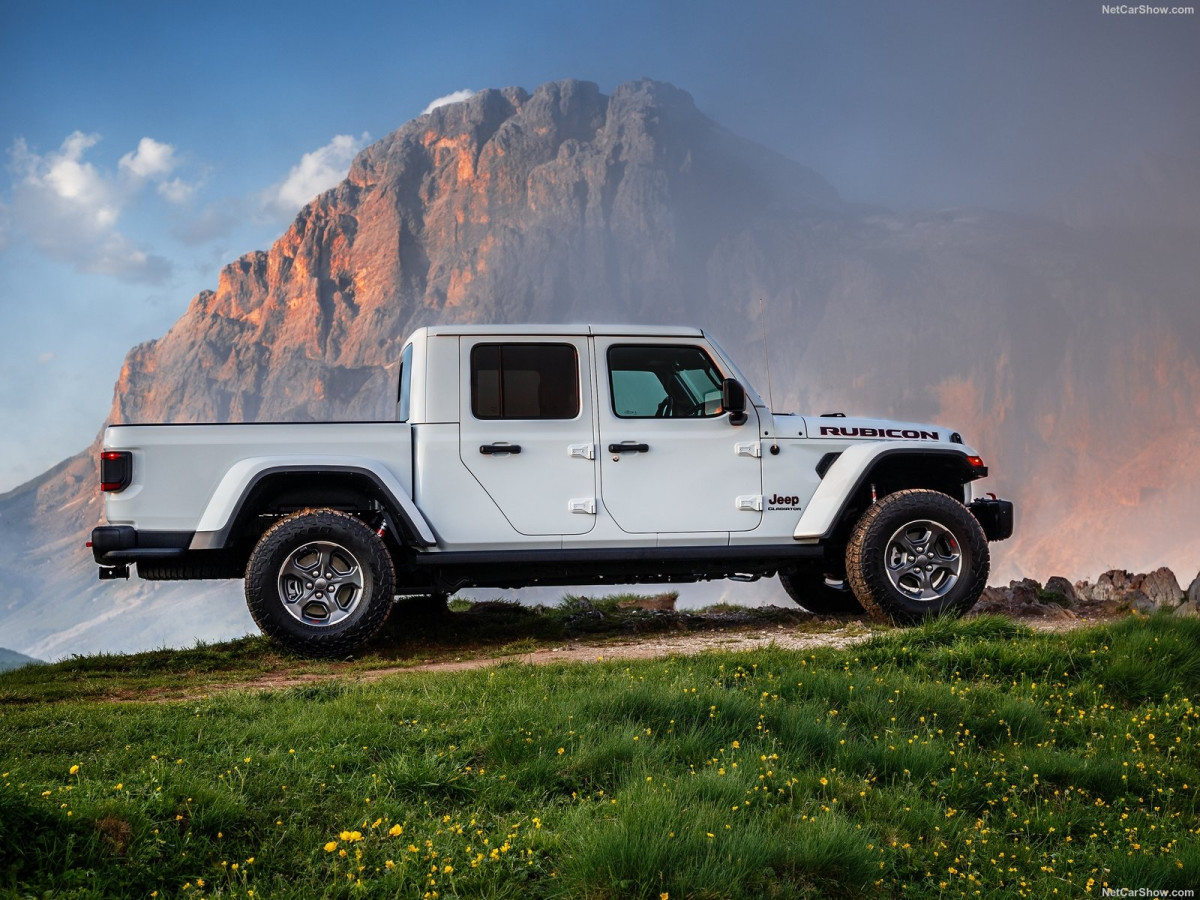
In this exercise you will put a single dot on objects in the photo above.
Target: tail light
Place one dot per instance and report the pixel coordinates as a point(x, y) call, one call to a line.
point(116, 470)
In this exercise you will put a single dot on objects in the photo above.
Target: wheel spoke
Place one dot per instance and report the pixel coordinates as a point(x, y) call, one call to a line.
point(911, 546)
point(293, 569)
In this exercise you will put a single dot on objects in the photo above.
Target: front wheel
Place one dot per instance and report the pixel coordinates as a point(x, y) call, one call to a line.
point(916, 554)
point(320, 582)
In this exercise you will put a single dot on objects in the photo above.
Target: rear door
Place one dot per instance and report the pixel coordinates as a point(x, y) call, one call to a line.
point(670, 459)
point(527, 429)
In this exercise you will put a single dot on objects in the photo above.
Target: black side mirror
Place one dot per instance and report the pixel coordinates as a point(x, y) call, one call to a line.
point(733, 401)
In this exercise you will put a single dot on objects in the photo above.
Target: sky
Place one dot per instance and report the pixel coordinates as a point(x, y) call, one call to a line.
point(147, 144)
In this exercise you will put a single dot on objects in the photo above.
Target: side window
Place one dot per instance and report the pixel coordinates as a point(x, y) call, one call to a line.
point(524, 381)
point(405, 383)
point(666, 381)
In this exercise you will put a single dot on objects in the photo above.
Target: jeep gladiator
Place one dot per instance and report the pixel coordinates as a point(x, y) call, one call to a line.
point(551, 455)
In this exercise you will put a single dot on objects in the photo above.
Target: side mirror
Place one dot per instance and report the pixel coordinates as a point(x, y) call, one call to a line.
point(733, 401)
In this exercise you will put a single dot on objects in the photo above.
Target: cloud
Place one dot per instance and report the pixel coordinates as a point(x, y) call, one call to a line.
point(69, 208)
point(152, 159)
point(456, 97)
point(176, 191)
point(316, 173)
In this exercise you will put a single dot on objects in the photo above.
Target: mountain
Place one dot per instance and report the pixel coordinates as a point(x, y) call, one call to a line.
point(1063, 346)
point(11, 659)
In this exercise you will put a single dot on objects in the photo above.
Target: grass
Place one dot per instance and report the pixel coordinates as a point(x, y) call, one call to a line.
point(416, 632)
point(955, 759)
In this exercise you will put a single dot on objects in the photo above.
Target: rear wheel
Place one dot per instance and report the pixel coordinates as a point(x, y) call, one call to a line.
point(916, 554)
point(821, 594)
point(320, 582)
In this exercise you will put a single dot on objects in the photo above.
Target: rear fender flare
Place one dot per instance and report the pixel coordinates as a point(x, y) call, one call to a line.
point(220, 516)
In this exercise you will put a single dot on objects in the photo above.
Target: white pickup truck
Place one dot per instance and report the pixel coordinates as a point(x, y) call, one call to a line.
point(550, 455)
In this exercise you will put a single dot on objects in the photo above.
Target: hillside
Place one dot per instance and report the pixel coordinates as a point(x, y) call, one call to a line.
point(955, 759)
point(1063, 347)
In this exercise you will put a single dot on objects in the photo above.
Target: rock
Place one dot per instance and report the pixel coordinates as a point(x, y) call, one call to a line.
point(1193, 591)
point(1137, 601)
point(1084, 591)
point(1059, 585)
point(1189, 608)
point(1162, 588)
point(1023, 592)
point(1112, 586)
point(1159, 589)
point(992, 600)
point(1056, 613)
point(663, 602)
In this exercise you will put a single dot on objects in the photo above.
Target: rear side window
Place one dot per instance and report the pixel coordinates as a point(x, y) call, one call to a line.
point(405, 383)
point(524, 381)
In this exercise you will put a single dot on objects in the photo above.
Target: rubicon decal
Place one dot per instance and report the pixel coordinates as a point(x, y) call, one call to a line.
point(908, 434)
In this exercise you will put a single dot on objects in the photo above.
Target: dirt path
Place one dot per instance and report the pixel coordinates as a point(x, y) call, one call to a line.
point(648, 647)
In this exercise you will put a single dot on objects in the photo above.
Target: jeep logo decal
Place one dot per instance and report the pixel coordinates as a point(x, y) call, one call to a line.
point(777, 502)
point(908, 434)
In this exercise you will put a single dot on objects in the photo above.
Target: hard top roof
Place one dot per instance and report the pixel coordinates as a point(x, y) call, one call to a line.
point(573, 330)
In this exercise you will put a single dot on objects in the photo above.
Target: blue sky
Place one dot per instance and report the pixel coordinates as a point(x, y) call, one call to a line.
point(148, 143)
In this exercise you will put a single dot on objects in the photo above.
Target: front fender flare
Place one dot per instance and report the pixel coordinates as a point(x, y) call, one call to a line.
point(850, 472)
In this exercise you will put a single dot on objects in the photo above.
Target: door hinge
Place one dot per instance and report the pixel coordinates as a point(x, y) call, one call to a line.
point(581, 451)
point(748, 448)
point(583, 505)
point(749, 502)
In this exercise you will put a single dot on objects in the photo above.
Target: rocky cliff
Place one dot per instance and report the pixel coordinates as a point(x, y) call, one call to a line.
point(1064, 348)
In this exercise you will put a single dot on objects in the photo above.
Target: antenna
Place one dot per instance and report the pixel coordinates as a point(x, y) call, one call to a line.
point(762, 315)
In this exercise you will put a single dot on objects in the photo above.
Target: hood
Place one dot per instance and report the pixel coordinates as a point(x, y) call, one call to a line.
point(859, 428)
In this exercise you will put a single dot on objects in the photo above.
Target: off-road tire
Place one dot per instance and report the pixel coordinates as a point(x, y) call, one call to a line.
point(323, 528)
point(877, 541)
point(813, 593)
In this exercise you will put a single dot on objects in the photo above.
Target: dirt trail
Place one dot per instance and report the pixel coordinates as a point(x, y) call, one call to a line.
point(647, 647)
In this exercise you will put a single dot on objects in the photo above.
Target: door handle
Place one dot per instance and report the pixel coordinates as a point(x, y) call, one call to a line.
point(628, 447)
point(490, 449)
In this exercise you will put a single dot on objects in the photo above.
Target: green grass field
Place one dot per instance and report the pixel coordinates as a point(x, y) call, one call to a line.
point(973, 759)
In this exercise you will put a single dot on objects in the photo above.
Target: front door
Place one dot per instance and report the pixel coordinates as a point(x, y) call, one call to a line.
point(526, 430)
point(670, 459)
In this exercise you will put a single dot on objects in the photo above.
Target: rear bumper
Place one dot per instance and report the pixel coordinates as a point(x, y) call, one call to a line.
point(995, 517)
point(116, 546)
